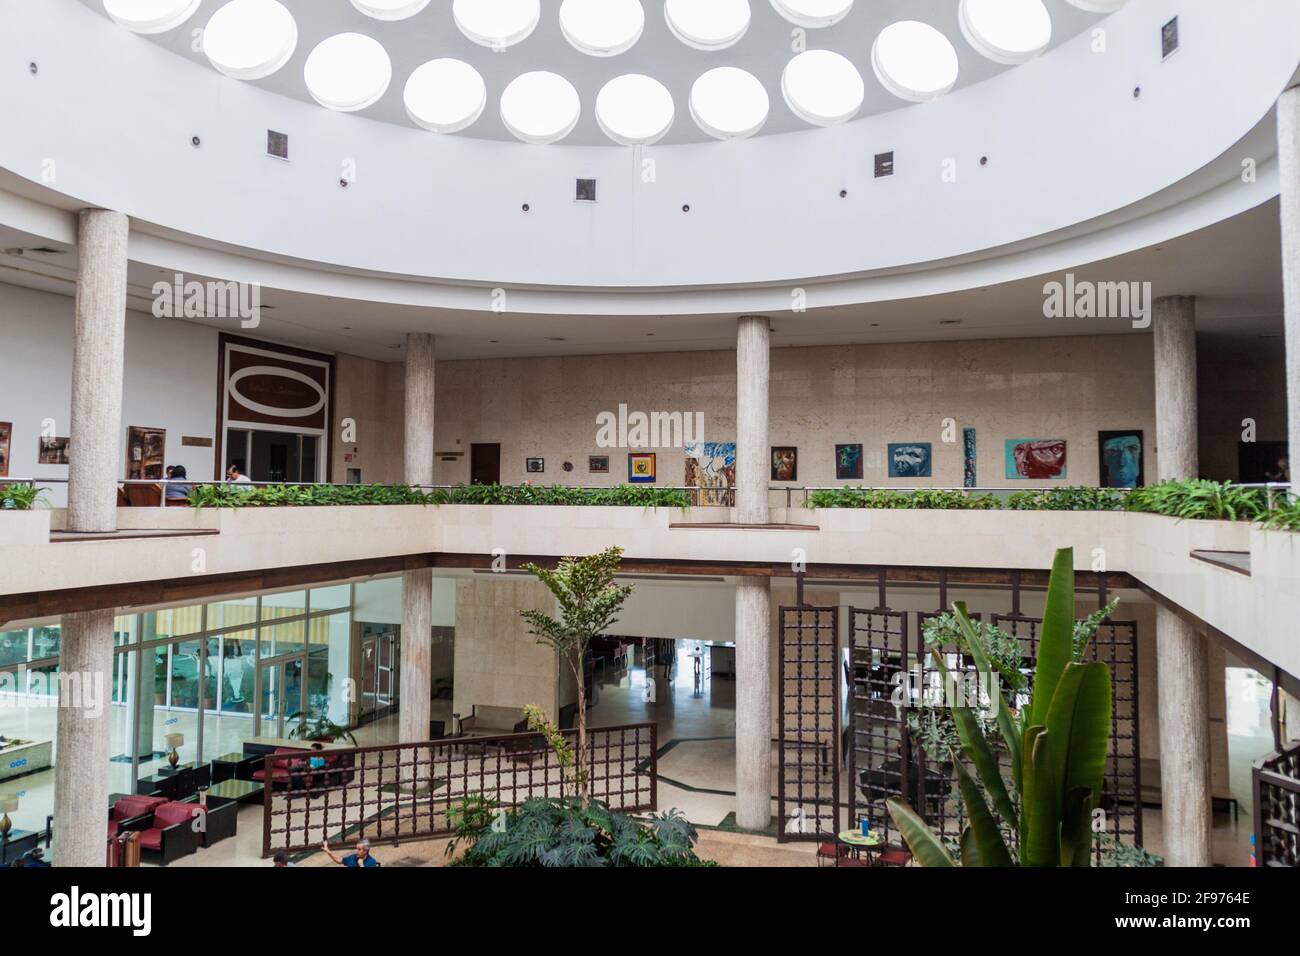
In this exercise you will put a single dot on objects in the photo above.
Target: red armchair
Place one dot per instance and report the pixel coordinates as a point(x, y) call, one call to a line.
point(132, 813)
point(171, 834)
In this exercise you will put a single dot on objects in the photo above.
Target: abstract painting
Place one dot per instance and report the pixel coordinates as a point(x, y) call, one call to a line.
point(911, 460)
point(848, 462)
point(145, 453)
point(785, 463)
point(968, 471)
point(641, 467)
point(598, 464)
point(6, 435)
point(535, 466)
point(711, 465)
point(1120, 454)
point(52, 451)
point(1035, 458)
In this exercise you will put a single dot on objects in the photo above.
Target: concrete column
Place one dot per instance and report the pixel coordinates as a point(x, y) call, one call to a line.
point(98, 354)
point(417, 586)
point(1174, 326)
point(82, 742)
point(753, 703)
point(1184, 741)
point(753, 453)
point(1288, 133)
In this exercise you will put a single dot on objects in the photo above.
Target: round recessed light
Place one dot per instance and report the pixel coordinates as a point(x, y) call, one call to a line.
point(634, 110)
point(1098, 6)
point(729, 103)
point(914, 61)
point(250, 39)
point(390, 9)
point(540, 107)
point(823, 88)
point(348, 72)
point(602, 27)
point(445, 95)
point(813, 13)
point(1006, 31)
point(150, 16)
point(708, 24)
point(496, 24)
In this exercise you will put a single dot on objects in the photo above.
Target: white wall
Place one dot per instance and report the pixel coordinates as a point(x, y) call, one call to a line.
point(169, 381)
point(380, 601)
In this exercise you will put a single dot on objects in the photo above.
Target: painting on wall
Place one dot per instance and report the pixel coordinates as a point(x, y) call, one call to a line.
point(968, 470)
point(535, 466)
point(145, 453)
point(641, 467)
point(6, 435)
point(1120, 459)
point(598, 464)
point(711, 467)
point(911, 459)
point(848, 462)
point(785, 463)
point(1035, 458)
point(52, 451)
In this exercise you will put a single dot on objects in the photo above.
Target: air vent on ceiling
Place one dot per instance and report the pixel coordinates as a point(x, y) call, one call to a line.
point(1169, 38)
point(585, 190)
point(277, 144)
point(884, 164)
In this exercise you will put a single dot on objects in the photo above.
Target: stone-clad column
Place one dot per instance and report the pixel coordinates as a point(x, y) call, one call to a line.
point(1180, 650)
point(753, 703)
point(1288, 135)
point(416, 685)
point(98, 354)
point(753, 466)
point(82, 748)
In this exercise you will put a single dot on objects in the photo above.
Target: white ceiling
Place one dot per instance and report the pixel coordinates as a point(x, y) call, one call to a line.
point(1234, 266)
point(764, 51)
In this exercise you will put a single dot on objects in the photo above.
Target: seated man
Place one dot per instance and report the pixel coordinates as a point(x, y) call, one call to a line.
point(361, 857)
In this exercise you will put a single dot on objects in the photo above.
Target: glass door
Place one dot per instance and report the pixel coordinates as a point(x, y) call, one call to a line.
point(281, 701)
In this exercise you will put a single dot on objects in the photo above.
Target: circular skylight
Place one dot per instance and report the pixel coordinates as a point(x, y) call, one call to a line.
point(708, 24)
point(813, 13)
point(1099, 6)
point(390, 9)
point(445, 95)
point(823, 88)
point(634, 110)
point(602, 27)
point(150, 16)
point(496, 23)
point(728, 103)
point(348, 72)
point(1006, 31)
point(250, 39)
point(914, 61)
point(540, 107)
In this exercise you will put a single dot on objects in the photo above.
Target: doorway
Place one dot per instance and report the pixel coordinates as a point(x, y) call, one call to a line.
point(281, 698)
point(379, 674)
point(274, 456)
point(485, 464)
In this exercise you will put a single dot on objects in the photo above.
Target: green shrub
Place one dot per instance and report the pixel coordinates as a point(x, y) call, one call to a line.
point(563, 833)
point(1197, 499)
point(1067, 499)
point(271, 496)
point(934, 499)
point(1284, 516)
point(21, 497)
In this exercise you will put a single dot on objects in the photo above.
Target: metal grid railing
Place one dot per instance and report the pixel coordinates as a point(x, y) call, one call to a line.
point(1276, 782)
point(808, 781)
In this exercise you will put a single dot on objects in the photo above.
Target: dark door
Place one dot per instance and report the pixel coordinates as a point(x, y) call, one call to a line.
point(485, 465)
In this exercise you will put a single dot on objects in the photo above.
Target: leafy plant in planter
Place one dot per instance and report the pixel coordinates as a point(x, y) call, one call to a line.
point(568, 833)
point(1200, 500)
point(589, 602)
point(21, 497)
point(1057, 746)
point(317, 727)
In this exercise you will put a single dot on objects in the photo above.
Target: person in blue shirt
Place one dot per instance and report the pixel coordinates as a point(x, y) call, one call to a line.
point(361, 856)
point(178, 489)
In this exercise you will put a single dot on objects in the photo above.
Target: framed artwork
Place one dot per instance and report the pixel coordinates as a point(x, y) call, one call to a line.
point(785, 463)
point(641, 467)
point(911, 459)
point(52, 451)
point(1035, 458)
point(535, 466)
point(1120, 459)
point(6, 436)
point(848, 462)
point(968, 459)
point(145, 453)
point(598, 464)
point(711, 465)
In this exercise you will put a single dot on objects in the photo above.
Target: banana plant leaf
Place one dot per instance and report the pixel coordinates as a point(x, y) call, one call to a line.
point(926, 848)
point(1076, 828)
point(1011, 732)
point(1078, 724)
point(1056, 640)
point(970, 852)
point(1040, 840)
point(988, 838)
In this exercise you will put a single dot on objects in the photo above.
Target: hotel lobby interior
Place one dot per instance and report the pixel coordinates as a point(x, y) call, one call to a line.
point(819, 434)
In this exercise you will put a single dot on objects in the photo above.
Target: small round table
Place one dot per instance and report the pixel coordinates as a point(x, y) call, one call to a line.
point(857, 842)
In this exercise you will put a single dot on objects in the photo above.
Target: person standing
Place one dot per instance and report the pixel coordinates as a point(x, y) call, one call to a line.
point(360, 857)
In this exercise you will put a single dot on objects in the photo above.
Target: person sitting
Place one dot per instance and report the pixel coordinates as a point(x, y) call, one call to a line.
point(177, 489)
point(235, 476)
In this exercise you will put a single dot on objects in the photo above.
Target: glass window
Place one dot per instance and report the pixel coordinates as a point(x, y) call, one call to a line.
point(281, 639)
point(232, 613)
point(331, 598)
point(45, 642)
point(238, 671)
point(13, 647)
point(287, 604)
point(171, 622)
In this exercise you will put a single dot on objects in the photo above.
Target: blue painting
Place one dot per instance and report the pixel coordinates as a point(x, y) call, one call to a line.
point(848, 462)
point(711, 466)
point(910, 460)
point(969, 472)
point(1121, 459)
